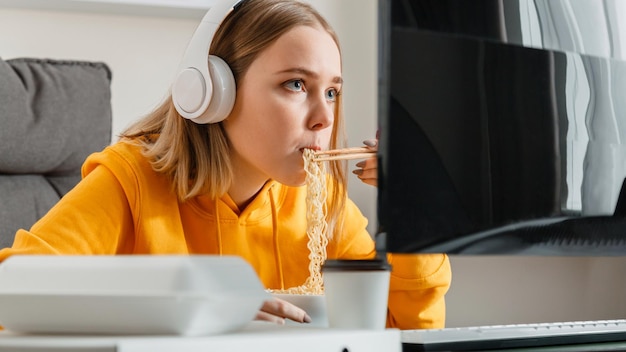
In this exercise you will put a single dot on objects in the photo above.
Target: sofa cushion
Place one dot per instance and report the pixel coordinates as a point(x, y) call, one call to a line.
point(53, 114)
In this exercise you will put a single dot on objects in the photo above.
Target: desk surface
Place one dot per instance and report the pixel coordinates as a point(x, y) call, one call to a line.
point(258, 337)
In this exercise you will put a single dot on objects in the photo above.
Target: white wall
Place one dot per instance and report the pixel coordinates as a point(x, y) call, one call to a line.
point(143, 52)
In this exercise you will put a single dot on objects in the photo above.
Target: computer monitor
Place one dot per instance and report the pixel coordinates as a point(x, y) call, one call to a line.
point(503, 127)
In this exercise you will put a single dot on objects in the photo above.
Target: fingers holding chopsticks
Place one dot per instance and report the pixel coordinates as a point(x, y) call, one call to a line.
point(367, 170)
point(371, 143)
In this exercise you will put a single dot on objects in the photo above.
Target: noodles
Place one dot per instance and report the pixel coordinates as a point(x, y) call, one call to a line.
point(317, 227)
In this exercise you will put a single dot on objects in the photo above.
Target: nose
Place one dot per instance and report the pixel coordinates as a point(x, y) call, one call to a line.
point(322, 113)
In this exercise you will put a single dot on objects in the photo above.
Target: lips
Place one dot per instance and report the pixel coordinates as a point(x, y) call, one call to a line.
point(313, 147)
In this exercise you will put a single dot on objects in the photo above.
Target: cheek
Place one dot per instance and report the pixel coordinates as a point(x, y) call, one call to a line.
point(249, 110)
point(277, 115)
point(259, 101)
point(261, 120)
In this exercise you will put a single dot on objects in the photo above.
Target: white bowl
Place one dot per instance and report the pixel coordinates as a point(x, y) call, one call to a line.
point(314, 305)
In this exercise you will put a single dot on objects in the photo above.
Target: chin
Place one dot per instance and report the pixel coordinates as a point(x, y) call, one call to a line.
point(294, 184)
point(297, 181)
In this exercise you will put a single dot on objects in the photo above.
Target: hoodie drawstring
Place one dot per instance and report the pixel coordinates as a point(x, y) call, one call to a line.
point(219, 228)
point(279, 264)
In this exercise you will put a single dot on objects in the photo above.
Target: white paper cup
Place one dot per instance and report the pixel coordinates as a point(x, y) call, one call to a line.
point(356, 293)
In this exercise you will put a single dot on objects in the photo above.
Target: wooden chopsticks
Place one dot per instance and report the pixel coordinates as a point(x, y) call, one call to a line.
point(345, 154)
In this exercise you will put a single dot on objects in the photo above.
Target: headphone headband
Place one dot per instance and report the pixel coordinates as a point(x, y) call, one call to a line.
point(204, 89)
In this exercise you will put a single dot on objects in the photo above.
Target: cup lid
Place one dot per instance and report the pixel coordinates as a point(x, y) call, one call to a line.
point(355, 264)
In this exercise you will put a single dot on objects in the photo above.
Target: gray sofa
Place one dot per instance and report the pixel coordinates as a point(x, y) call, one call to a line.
point(53, 114)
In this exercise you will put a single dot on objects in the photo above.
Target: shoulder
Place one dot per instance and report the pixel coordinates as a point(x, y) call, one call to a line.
point(127, 162)
point(121, 154)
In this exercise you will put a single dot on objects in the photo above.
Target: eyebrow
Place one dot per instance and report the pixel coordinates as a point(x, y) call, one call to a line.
point(304, 71)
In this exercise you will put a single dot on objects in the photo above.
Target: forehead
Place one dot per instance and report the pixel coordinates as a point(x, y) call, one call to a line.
point(312, 48)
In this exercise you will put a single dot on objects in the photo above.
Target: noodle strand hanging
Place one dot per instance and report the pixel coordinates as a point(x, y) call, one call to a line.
point(317, 227)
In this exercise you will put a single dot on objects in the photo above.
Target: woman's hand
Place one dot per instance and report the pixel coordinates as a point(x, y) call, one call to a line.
point(368, 169)
point(277, 310)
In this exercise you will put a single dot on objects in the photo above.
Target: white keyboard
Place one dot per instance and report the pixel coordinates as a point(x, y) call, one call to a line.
point(515, 335)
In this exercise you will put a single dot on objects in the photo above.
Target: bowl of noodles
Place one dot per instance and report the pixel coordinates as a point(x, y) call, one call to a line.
point(314, 305)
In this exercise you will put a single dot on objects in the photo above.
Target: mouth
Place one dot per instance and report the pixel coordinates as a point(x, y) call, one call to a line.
point(312, 147)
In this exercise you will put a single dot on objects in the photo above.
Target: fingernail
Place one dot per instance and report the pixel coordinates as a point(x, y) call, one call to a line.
point(306, 319)
point(360, 164)
point(370, 142)
point(358, 172)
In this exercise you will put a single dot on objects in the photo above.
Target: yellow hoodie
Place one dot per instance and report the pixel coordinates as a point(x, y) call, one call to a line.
point(122, 206)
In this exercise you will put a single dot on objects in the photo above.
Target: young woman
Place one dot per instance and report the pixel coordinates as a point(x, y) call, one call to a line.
point(172, 186)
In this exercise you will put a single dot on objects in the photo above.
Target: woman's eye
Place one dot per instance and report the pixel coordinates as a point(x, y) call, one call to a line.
point(331, 94)
point(296, 85)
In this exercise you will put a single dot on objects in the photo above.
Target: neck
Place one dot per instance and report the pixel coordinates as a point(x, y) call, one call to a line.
point(246, 184)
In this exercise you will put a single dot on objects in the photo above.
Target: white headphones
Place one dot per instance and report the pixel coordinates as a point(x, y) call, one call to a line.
point(204, 92)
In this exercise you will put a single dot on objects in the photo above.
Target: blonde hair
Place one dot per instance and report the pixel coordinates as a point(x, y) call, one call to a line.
point(196, 156)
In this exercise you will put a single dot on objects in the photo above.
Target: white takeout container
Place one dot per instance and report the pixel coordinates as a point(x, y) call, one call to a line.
point(179, 295)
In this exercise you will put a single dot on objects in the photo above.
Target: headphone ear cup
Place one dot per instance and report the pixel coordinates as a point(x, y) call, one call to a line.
point(205, 93)
point(224, 91)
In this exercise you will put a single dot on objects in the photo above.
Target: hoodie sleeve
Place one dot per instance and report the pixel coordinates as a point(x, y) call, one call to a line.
point(417, 290)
